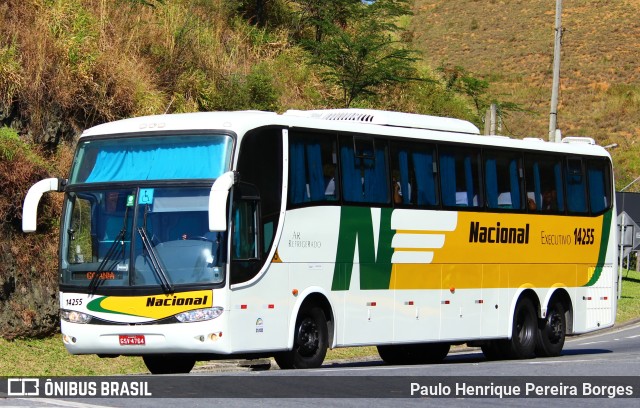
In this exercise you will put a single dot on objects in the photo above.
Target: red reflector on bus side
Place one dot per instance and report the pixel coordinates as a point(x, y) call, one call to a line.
point(445, 302)
point(409, 303)
point(371, 303)
point(271, 306)
point(243, 306)
point(480, 301)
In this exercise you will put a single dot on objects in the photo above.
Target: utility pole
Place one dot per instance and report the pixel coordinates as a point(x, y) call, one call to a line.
point(553, 119)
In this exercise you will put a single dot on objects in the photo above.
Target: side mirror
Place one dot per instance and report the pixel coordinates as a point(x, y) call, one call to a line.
point(30, 206)
point(218, 201)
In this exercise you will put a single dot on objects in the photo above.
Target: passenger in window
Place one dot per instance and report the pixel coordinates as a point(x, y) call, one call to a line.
point(397, 189)
point(550, 200)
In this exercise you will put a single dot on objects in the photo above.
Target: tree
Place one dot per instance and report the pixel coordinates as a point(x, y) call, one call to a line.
point(365, 53)
point(458, 80)
point(318, 14)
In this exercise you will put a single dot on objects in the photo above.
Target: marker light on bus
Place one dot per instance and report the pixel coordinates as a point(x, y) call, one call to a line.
point(74, 317)
point(199, 315)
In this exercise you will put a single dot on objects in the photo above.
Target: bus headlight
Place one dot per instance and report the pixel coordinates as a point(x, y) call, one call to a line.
point(199, 315)
point(72, 316)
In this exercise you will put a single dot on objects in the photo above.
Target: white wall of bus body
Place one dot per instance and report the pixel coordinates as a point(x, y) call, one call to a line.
point(265, 296)
point(259, 312)
point(164, 338)
point(416, 315)
point(462, 317)
point(596, 304)
point(367, 315)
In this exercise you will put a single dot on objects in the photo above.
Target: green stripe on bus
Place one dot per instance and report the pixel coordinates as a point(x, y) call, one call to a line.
point(604, 243)
point(356, 225)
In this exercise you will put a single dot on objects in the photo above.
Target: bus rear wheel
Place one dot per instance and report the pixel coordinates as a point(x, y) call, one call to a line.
point(492, 350)
point(524, 332)
point(310, 341)
point(429, 353)
point(552, 331)
point(169, 363)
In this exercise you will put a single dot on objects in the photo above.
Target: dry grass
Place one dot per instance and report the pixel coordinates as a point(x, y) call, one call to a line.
point(510, 43)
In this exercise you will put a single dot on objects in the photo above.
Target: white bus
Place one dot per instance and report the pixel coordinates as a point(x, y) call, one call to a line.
point(218, 235)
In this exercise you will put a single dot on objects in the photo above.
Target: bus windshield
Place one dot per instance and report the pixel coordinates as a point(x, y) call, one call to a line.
point(152, 236)
point(170, 157)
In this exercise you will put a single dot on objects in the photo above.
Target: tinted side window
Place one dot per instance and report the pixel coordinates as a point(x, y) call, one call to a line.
point(576, 186)
point(312, 168)
point(459, 177)
point(544, 185)
point(363, 162)
point(503, 181)
point(414, 173)
point(599, 185)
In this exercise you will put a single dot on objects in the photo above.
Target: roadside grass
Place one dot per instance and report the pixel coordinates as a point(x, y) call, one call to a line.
point(48, 357)
point(629, 302)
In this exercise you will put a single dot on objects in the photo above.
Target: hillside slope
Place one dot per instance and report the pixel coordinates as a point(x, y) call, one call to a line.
point(510, 44)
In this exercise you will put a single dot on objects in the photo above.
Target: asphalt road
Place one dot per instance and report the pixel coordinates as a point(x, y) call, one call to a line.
point(589, 358)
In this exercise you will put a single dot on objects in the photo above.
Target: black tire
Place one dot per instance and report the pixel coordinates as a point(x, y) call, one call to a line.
point(492, 350)
point(169, 363)
point(310, 341)
point(552, 331)
point(524, 332)
point(407, 354)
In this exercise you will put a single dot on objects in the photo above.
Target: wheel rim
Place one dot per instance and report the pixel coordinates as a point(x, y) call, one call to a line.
point(555, 327)
point(308, 337)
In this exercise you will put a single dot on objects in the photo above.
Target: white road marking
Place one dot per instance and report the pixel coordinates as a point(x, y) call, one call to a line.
point(62, 403)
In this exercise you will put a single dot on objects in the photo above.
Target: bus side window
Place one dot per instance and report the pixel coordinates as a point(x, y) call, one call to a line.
point(363, 163)
point(543, 179)
point(576, 186)
point(414, 175)
point(459, 178)
point(312, 168)
point(599, 185)
point(503, 183)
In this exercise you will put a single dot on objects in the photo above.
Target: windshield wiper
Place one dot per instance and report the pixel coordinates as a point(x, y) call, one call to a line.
point(115, 252)
point(155, 262)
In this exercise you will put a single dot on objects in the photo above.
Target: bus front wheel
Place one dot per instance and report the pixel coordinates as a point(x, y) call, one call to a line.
point(168, 363)
point(310, 341)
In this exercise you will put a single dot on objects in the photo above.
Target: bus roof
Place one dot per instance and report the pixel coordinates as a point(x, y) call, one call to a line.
point(375, 122)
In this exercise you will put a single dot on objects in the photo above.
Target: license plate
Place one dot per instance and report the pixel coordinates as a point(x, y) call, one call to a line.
point(132, 340)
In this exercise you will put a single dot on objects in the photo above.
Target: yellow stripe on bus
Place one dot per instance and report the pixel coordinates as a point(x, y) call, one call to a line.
point(474, 276)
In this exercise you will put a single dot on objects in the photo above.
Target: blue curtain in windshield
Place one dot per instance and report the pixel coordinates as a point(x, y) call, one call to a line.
point(122, 162)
